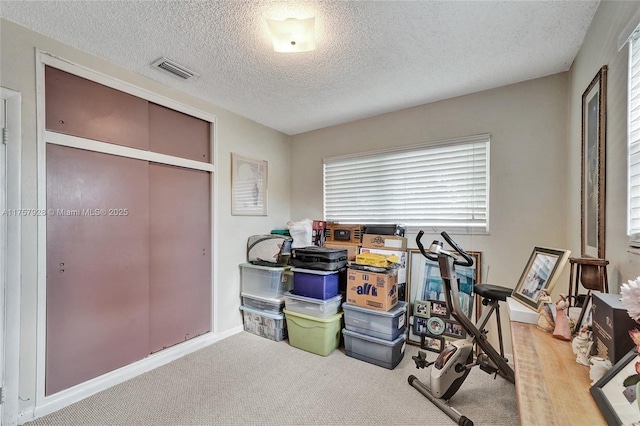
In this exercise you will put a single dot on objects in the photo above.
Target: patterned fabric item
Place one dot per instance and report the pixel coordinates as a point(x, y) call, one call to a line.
point(270, 250)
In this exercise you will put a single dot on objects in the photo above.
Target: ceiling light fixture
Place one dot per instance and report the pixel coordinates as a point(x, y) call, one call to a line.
point(293, 35)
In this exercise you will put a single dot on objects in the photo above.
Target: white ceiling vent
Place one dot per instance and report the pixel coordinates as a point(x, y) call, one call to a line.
point(175, 68)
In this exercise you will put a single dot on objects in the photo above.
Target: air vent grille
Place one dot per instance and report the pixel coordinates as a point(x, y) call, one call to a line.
point(175, 68)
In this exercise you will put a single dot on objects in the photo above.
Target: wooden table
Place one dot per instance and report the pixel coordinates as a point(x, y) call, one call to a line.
point(551, 387)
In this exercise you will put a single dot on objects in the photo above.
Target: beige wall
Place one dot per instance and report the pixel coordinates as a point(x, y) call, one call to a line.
point(528, 199)
point(600, 48)
point(234, 134)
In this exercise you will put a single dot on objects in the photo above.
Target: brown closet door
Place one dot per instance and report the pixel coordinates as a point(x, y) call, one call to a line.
point(174, 133)
point(80, 107)
point(180, 257)
point(97, 265)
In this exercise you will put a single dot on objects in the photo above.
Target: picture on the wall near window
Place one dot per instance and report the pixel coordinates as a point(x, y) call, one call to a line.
point(425, 284)
point(541, 272)
point(615, 392)
point(248, 186)
point(594, 130)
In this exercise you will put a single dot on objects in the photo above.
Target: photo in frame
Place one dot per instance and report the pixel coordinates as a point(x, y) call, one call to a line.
point(439, 309)
point(419, 327)
point(617, 402)
point(541, 272)
point(592, 193)
point(422, 308)
point(249, 179)
point(424, 283)
point(431, 343)
point(454, 329)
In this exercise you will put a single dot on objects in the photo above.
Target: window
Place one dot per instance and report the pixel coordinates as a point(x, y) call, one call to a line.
point(440, 185)
point(633, 185)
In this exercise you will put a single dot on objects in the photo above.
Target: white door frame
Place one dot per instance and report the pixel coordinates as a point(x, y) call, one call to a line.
point(11, 252)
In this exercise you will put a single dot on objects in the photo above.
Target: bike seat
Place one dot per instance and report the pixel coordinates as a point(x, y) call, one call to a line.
point(493, 292)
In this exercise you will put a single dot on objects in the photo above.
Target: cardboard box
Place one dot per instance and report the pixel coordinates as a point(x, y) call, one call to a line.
point(344, 234)
point(388, 242)
point(317, 232)
point(611, 325)
point(402, 270)
point(372, 290)
point(352, 249)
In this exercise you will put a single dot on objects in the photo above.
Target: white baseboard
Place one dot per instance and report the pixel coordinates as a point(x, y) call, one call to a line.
point(76, 393)
point(26, 416)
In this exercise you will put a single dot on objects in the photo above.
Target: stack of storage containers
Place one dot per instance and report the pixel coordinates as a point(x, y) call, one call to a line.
point(263, 289)
point(375, 329)
point(312, 309)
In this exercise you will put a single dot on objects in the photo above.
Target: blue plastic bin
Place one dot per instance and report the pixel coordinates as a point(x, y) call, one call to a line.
point(314, 283)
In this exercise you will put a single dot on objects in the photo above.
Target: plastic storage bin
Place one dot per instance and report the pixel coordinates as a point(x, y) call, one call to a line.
point(317, 335)
point(272, 305)
point(317, 284)
point(384, 353)
point(265, 281)
point(310, 306)
point(382, 325)
point(265, 324)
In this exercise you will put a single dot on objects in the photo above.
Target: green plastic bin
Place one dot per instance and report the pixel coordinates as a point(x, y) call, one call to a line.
point(312, 334)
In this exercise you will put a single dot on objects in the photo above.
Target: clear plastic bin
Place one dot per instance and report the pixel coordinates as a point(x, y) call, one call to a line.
point(265, 324)
point(312, 306)
point(384, 353)
point(272, 305)
point(265, 281)
point(380, 324)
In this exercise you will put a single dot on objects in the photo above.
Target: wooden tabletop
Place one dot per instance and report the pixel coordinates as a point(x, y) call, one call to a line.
point(551, 387)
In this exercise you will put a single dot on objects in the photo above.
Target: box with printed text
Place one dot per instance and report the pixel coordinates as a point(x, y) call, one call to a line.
point(388, 242)
point(373, 290)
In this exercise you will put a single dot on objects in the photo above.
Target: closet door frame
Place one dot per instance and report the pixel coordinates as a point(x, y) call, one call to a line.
point(47, 404)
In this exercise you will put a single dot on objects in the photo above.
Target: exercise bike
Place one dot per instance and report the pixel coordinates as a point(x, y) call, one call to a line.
point(453, 364)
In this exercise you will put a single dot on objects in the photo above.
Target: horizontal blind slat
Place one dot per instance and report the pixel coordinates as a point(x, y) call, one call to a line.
point(426, 186)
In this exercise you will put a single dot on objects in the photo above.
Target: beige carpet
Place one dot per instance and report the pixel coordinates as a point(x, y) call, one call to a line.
point(249, 380)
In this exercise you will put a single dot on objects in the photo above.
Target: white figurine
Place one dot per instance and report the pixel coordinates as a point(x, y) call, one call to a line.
point(581, 345)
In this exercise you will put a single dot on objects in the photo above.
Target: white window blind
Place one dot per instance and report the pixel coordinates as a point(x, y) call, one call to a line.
point(441, 185)
point(634, 140)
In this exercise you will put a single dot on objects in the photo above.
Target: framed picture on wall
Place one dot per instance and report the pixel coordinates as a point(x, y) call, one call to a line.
point(248, 186)
point(592, 200)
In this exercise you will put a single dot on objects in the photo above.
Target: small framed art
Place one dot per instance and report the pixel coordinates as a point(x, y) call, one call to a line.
point(541, 272)
point(615, 395)
point(431, 343)
point(248, 186)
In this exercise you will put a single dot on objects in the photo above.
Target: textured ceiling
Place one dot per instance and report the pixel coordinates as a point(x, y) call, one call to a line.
point(372, 57)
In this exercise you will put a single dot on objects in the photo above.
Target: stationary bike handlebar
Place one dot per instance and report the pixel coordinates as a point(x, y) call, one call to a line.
point(468, 261)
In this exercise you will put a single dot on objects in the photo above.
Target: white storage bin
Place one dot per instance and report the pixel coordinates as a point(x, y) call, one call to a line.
point(311, 306)
point(272, 305)
point(382, 325)
point(265, 281)
point(265, 324)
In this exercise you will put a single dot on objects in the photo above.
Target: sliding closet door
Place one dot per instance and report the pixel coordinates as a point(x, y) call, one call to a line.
point(97, 264)
point(180, 256)
point(80, 107)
